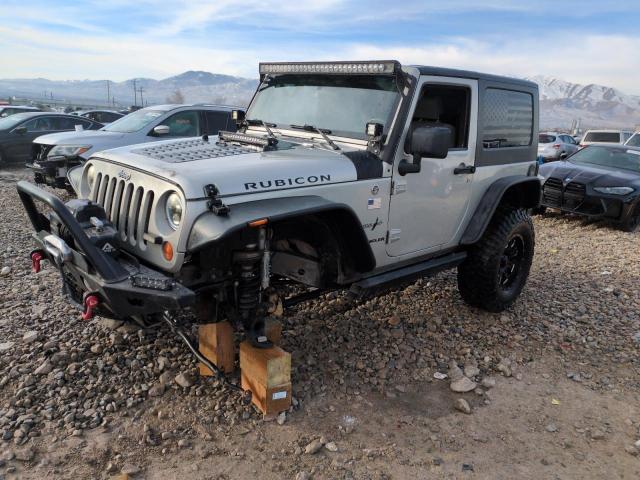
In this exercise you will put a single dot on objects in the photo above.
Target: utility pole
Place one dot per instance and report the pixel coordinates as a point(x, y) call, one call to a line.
point(108, 92)
point(135, 93)
point(141, 100)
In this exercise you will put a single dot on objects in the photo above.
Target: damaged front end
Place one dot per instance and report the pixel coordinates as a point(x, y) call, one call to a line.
point(97, 275)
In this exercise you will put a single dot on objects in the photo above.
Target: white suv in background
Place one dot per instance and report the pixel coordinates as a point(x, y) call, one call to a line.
point(605, 136)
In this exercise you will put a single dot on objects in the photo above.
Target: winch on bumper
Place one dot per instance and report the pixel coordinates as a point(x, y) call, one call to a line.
point(97, 276)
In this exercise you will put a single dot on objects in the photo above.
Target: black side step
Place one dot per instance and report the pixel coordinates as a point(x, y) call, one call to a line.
point(411, 272)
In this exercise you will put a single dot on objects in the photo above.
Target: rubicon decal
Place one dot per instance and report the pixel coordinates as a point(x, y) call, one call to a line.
point(287, 182)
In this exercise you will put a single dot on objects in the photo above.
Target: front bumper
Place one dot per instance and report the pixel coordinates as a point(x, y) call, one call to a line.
point(581, 199)
point(119, 282)
point(52, 171)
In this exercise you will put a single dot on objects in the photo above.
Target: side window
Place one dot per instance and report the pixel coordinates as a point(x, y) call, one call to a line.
point(216, 121)
point(507, 118)
point(40, 124)
point(445, 106)
point(183, 124)
point(109, 117)
point(85, 124)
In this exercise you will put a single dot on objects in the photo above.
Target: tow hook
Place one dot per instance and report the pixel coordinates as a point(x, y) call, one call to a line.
point(90, 302)
point(36, 258)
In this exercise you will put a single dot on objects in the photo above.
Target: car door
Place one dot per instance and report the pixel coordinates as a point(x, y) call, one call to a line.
point(19, 148)
point(186, 123)
point(570, 145)
point(427, 207)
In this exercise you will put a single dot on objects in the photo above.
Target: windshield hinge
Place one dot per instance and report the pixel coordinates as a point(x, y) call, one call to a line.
point(215, 204)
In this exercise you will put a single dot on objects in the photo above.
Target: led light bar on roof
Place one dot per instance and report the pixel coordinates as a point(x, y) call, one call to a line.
point(384, 67)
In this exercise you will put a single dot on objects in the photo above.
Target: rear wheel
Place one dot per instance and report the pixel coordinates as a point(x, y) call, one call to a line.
point(496, 270)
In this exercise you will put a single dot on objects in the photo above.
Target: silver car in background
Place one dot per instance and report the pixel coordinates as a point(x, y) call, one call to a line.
point(556, 146)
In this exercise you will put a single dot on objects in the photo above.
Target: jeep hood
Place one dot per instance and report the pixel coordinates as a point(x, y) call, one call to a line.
point(237, 169)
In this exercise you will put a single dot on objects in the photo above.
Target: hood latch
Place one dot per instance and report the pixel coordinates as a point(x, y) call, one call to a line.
point(215, 204)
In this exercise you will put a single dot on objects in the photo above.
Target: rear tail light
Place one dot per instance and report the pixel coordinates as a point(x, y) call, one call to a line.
point(556, 146)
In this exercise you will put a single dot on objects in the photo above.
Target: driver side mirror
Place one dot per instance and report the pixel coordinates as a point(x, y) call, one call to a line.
point(425, 141)
point(20, 130)
point(160, 130)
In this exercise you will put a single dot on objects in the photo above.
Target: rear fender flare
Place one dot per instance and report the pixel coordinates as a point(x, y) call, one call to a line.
point(517, 190)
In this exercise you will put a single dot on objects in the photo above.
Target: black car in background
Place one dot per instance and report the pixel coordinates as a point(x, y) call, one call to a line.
point(597, 181)
point(105, 117)
point(19, 130)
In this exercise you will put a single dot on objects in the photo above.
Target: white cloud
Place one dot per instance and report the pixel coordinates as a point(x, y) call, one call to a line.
point(190, 35)
point(601, 59)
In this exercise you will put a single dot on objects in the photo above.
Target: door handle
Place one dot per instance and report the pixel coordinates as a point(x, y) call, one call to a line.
point(462, 168)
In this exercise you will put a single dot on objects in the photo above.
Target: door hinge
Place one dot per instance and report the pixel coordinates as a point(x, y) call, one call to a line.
point(399, 186)
point(215, 204)
point(393, 235)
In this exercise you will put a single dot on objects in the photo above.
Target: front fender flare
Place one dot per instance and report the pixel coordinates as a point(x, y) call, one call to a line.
point(209, 228)
point(519, 190)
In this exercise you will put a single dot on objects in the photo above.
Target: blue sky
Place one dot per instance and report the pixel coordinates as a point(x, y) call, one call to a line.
point(580, 41)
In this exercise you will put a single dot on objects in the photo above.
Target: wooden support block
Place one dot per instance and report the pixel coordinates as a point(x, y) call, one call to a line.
point(267, 373)
point(216, 343)
point(273, 330)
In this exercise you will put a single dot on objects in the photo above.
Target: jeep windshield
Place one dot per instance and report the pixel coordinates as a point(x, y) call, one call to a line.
point(133, 122)
point(342, 104)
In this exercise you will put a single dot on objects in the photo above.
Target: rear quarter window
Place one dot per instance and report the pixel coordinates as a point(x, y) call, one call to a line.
point(507, 119)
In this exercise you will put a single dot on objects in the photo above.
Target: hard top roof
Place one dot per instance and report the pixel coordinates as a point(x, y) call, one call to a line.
point(452, 72)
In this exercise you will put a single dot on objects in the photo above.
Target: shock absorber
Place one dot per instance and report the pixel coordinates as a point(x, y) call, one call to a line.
point(248, 292)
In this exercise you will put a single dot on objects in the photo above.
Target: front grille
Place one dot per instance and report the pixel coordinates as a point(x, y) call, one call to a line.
point(573, 195)
point(552, 193)
point(569, 196)
point(128, 207)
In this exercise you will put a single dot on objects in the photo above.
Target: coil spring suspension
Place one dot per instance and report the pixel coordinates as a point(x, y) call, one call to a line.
point(248, 294)
point(249, 280)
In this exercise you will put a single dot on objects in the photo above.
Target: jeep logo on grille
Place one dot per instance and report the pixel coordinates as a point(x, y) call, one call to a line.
point(126, 176)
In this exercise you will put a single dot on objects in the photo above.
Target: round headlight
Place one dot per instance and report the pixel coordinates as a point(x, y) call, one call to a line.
point(174, 210)
point(91, 175)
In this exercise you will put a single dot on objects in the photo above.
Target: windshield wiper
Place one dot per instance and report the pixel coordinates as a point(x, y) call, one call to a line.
point(322, 131)
point(262, 123)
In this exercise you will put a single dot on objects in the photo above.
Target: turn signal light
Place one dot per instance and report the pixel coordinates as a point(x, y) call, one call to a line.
point(167, 251)
point(259, 223)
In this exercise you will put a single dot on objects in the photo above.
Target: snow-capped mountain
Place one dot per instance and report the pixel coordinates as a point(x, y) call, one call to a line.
point(193, 87)
point(561, 102)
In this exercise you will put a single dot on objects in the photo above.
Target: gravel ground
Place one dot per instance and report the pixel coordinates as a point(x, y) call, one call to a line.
point(549, 389)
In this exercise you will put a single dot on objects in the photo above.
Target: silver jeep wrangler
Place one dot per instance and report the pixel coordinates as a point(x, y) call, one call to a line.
point(343, 175)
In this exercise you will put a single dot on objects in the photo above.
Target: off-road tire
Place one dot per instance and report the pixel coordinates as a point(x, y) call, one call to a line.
point(481, 275)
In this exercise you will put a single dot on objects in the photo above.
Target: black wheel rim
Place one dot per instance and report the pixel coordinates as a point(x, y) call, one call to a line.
point(511, 262)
